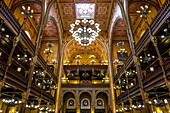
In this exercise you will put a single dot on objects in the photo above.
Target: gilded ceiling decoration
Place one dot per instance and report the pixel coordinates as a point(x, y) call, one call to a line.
point(98, 9)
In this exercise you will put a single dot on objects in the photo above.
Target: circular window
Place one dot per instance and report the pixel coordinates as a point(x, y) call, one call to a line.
point(85, 103)
point(71, 103)
point(99, 103)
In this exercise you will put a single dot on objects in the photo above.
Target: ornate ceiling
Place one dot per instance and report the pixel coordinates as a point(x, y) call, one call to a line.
point(64, 13)
point(101, 14)
point(73, 49)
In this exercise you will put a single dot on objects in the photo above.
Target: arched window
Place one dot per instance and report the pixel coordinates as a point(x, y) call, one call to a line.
point(71, 103)
point(99, 103)
point(28, 34)
point(85, 103)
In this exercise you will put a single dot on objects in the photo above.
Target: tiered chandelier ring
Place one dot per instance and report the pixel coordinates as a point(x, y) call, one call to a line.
point(85, 33)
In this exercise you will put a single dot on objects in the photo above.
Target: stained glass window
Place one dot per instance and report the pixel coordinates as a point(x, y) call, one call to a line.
point(85, 10)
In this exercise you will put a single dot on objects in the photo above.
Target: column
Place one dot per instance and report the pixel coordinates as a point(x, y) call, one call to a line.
point(93, 101)
point(78, 109)
point(147, 102)
point(77, 102)
point(131, 102)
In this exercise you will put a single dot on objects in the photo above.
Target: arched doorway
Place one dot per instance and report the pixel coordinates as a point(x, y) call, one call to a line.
point(85, 103)
point(69, 104)
point(101, 103)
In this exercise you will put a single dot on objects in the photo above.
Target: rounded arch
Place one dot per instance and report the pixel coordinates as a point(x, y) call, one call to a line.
point(73, 106)
point(99, 39)
point(102, 91)
point(147, 1)
point(88, 103)
point(65, 92)
point(102, 103)
point(59, 40)
point(69, 92)
point(23, 2)
point(85, 92)
point(111, 44)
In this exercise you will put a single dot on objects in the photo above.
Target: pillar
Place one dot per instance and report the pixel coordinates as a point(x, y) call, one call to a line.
point(78, 109)
point(77, 101)
point(60, 72)
point(131, 103)
point(154, 41)
point(93, 101)
point(147, 102)
point(92, 109)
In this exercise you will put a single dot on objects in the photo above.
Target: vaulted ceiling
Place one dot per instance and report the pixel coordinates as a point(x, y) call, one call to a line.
point(102, 12)
point(64, 12)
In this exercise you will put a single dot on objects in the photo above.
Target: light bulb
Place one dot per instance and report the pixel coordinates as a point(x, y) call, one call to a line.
point(146, 6)
point(3, 29)
point(142, 7)
point(23, 7)
point(19, 69)
point(29, 8)
point(7, 36)
point(32, 11)
point(138, 11)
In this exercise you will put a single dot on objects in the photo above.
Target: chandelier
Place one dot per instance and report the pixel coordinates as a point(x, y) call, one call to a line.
point(11, 102)
point(85, 33)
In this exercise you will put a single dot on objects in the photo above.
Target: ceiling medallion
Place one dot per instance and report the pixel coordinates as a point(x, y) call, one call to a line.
point(85, 33)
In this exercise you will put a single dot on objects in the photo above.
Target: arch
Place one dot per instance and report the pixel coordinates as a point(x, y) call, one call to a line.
point(65, 93)
point(103, 91)
point(99, 107)
point(71, 39)
point(84, 92)
point(60, 41)
point(71, 107)
point(110, 42)
point(82, 104)
point(23, 2)
point(147, 1)
point(91, 52)
point(69, 92)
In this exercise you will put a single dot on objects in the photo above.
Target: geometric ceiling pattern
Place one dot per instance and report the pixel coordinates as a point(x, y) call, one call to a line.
point(101, 14)
point(74, 48)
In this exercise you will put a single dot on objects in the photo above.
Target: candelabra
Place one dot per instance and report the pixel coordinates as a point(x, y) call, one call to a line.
point(122, 51)
point(131, 72)
point(39, 73)
point(116, 61)
point(11, 102)
point(159, 102)
point(54, 61)
point(166, 30)
point(48, 51)
point(143, 13)
point(25, 58)
point(2, 29)
point(46, 110)
point(137, 106)
point(32, 106)
point(147, 57)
